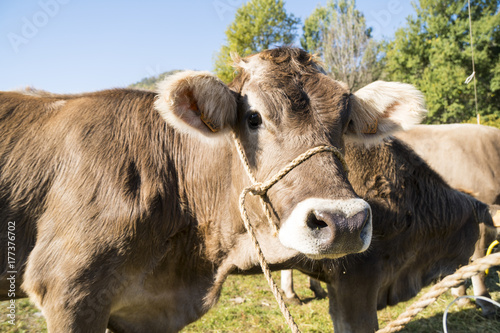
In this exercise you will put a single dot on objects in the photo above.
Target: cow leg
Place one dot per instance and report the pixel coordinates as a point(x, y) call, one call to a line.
point(353, 306)
point(287, 287)
point(74, 290)
point(486, 237)
point(315, 286)
point(68, 308)
point(458, 292)
point(479, 286)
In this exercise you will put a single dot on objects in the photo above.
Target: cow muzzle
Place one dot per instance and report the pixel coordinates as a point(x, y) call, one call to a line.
point(322, 228)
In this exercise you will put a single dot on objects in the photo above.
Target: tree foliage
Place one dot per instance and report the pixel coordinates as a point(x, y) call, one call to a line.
point(337, 32)
point(433, 53)
point(258, 25)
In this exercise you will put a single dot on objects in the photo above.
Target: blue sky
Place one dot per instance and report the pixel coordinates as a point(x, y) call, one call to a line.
point(70, 46)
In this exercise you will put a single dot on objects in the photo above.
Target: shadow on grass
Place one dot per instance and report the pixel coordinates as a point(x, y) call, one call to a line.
point(310, 299)
point(463, 321)
point(467, 319)
point(301, 301)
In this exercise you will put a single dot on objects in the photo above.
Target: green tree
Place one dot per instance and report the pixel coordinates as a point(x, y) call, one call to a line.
point(258, 25)
point(337, 32)
point(433, 53)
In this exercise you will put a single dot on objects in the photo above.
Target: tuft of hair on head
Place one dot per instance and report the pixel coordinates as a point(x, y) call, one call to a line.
point(242, 63)
point(236, 59)
point(283, 58)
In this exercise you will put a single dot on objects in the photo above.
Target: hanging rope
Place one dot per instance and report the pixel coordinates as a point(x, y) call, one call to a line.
point(261, 189)
point(473, 75)
point(263, 263)
point(488, 252)
point(244, 160)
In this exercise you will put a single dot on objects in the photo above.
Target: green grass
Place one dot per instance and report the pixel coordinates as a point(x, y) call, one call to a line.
point(28, 318)
point(259, 312)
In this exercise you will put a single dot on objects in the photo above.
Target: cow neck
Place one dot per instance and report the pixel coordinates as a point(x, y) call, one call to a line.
point(474, 211)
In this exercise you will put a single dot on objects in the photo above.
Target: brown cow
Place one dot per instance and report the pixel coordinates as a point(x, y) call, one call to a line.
point(467, 156)
point(418, 220)
point(125, 202)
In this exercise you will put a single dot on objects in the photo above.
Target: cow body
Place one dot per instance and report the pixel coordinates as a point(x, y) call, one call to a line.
point(418, 221)
point(102, 219)
point(126, 202)
point(468, 158)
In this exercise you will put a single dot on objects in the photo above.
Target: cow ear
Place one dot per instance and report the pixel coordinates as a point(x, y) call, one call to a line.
point(196, 103)
point(382, 108)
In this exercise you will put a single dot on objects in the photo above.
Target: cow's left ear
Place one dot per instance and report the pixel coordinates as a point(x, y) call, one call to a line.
point(382, 108)
point(196, 103)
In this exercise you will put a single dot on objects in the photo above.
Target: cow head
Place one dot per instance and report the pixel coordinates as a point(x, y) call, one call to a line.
point(280, 105)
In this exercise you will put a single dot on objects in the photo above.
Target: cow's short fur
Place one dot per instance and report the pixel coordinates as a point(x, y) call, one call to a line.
point(126, 202)
point(467, 156)
point(423, 229)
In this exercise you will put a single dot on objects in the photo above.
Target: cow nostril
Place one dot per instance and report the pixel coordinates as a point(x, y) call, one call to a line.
point(313, 222)
point(361, 218)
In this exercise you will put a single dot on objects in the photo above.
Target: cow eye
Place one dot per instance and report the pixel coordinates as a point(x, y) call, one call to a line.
point(254, 120)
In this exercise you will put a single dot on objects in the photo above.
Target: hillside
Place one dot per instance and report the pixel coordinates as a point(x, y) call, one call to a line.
point(149, 83)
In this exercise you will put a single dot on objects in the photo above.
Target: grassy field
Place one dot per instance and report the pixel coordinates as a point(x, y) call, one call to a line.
point(247, 305)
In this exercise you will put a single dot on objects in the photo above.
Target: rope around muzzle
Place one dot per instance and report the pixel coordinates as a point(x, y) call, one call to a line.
point(260, 189)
